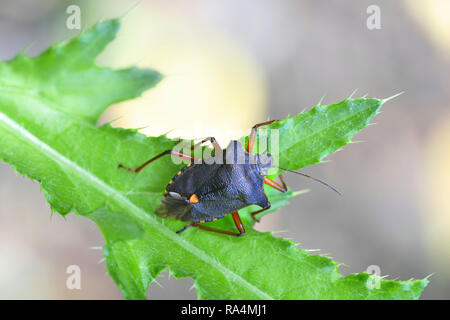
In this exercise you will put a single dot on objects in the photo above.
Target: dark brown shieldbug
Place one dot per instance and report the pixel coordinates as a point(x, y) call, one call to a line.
point(208, 190)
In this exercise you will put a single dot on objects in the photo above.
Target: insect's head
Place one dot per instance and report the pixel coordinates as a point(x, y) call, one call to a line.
point(264, 161)
point(236, 154)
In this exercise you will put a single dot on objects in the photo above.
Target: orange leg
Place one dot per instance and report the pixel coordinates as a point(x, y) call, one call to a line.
point(259, 211)
point(176, 153)
point(275, 185)
point(213, 141)
point(252, 138)
point(237, 222)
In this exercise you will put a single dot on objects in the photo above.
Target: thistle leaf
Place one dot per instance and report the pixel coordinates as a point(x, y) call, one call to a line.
point(48, 109)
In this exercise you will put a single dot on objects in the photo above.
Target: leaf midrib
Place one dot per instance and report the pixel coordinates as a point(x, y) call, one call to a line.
point(115, 195)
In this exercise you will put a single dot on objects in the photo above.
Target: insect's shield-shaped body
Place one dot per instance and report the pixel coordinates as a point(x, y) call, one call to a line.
point(208, 188)
point(216, 186)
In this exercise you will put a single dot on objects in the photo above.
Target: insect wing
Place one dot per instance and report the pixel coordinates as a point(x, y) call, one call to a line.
point(173, 207)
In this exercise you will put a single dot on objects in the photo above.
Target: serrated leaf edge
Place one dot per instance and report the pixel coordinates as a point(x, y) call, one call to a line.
point(141, 215)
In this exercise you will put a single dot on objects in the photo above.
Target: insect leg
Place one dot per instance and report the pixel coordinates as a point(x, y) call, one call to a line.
point(251, 139)
point(237, 222)
point(213, 141)
point(282, 181)
point(175, 153)
point(259, 211)
point(275, 185)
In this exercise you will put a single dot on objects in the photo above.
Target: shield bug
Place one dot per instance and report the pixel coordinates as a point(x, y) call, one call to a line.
point(211, 189)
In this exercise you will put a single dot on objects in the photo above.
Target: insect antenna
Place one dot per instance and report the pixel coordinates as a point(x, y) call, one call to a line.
point(315, 179)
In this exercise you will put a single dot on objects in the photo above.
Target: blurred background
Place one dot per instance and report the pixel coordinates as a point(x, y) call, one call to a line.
point(231, 64)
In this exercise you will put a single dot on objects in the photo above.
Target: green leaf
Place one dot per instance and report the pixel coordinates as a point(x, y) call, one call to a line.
point(309, 137)
point(65, 78)
point(48, 109)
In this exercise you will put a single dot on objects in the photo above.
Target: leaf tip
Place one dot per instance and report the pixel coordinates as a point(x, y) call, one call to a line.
point(130, 10)
point(95, 248)
point(352, 94)
point(23, 52)
point(427, 277)
point(320, 101)
point(299, 192)
point(392, 97)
